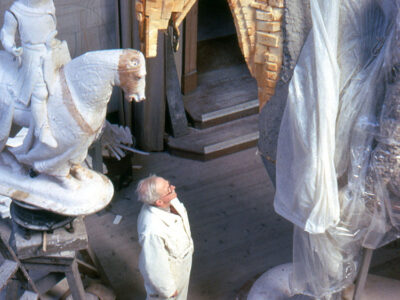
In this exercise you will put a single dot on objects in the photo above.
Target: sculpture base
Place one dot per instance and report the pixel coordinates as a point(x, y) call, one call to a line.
point(70, 196)
point(275, 284)
point(30, 217)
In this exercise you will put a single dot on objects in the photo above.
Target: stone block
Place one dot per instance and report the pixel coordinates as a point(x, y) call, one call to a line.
point(270, 83)
point(272, 75)
point(268, 26)
point(270, 40)
point(272, 67)
point(269, 91)
point(260, 6)
point(271, 58)
point(277, 3)
point(264, 16)
point(259, 55)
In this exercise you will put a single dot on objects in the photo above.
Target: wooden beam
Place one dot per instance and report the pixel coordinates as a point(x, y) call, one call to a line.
point(189, 78)
point(149, 115)
point(177, 114)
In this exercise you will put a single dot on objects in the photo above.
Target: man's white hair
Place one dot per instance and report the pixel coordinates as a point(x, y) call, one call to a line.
point(147, 190)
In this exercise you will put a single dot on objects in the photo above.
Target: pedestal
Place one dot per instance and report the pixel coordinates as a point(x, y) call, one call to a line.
point(53, 253)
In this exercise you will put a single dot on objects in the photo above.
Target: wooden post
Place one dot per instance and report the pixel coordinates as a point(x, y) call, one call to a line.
point(189, 78)
point(149, 115)
point(125, 16)
point(75, 282)
point(176, 109)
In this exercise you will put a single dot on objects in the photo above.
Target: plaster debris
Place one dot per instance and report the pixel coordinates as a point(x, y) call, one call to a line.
point(117, 219)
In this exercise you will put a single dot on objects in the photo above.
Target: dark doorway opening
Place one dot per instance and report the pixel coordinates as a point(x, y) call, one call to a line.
point(223, 106)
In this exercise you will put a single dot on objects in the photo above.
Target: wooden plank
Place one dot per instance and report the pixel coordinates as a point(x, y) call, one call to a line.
point(90, 256)
point(189, 79)
point(7, 270)
point(176, 110)
point(22, 275)
point(224, 115)
point(149, 115)
point(87, 269)
point(218, 140)
point(46, 282)
point(28, 295)
point(60, 260)
point(221, 89)
point(126, 41)
point(59, 240)
point(75, 282)
point(12, 290)
point(201, 138)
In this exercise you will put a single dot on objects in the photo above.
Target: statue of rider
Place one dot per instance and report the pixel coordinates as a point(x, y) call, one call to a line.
point(35, 22)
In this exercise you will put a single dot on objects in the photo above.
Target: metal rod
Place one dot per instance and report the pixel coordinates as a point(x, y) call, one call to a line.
point(362, 275)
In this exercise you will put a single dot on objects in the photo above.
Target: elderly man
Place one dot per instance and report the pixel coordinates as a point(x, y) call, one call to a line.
point(167, 245)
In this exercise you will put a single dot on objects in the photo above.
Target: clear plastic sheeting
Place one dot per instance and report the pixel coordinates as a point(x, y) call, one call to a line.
point(306, 192)
point(338, 164)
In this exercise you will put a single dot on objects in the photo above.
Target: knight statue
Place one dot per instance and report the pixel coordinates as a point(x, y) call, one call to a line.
point(35, 21)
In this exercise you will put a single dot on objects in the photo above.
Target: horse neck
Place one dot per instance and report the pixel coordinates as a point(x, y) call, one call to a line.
point(90, 79)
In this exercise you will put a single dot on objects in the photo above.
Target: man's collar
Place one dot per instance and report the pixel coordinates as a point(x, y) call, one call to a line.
point(167, 209)
point(166, 216)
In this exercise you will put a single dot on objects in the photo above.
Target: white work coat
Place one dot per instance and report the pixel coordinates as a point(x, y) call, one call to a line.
point(167, 247)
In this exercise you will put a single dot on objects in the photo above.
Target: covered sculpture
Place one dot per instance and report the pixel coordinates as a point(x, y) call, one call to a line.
point(337, 162)
point(45, 169)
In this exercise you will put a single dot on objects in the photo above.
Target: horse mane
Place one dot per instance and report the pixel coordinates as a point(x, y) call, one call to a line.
point(90, 78)
point(92, 59)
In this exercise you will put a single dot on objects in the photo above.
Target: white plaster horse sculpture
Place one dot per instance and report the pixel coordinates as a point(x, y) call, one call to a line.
point(77, 108)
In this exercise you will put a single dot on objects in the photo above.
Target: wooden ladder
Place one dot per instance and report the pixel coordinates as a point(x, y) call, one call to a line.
point(12, 269)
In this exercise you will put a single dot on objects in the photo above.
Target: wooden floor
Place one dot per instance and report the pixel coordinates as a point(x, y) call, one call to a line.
point(237, 234)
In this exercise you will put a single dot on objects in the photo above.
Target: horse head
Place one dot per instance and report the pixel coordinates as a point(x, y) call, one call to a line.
point(132, 73)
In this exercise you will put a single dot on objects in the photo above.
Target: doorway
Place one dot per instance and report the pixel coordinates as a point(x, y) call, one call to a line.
point(223, 107)
point(224, 80)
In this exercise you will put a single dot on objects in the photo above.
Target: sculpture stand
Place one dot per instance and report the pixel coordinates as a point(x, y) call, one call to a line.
point(33, 218)
point(55, 253)
point(12, 269)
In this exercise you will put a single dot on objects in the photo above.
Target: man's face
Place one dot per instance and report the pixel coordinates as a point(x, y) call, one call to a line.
point(166, 192)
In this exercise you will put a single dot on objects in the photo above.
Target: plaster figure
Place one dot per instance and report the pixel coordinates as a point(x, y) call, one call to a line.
point(164, 234)
point(63, 104)
point(35, 21)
